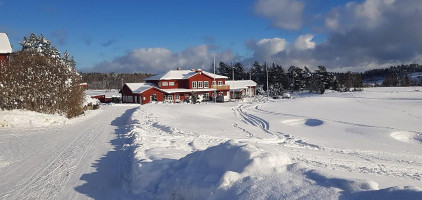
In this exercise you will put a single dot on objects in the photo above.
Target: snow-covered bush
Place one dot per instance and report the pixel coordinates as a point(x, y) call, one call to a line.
point(90, 103)
point(38, 79)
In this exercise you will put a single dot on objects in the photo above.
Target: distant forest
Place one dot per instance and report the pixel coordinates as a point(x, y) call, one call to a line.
point(282, 79)
point(112, 80)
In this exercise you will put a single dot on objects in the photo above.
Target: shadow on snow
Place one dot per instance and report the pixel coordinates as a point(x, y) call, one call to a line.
point(110, 180)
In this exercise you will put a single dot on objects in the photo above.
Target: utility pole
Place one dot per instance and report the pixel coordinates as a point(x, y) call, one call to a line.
point(250, 71)
point(233, 79)
point(215, 85)
point(266, 69)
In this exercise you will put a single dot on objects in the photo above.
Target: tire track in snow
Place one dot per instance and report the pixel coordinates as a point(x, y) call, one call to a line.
point(284, 139)
point(252, 119)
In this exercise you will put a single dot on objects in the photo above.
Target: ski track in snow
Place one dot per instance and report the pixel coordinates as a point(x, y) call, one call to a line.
point(61, 157)
point(370, 162)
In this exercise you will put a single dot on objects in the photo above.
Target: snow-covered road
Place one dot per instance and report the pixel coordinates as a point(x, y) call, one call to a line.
point(79, 160)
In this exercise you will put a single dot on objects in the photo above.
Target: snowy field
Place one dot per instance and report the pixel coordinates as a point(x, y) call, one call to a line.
point(361, 145)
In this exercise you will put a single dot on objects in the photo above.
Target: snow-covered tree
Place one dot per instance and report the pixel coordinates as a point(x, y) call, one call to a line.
point(37, 78)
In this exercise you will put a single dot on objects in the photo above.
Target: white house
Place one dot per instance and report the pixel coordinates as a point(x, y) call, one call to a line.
point(242, 88)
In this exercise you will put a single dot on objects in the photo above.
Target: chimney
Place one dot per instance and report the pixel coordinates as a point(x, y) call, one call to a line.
point(178, 68)
point(199, 70)
point(193, 70)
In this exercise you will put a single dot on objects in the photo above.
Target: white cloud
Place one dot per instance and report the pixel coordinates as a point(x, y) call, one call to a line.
point(266, 49)
point(271, 46)
point(285, 14)
point(304, 42)
point(157, 60)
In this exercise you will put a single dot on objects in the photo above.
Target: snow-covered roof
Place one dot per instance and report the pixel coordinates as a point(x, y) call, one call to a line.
point(183, 90)
point(107, 93)
point(140, 87)
point(241, 84)
point(181, 74)
point(5, 46)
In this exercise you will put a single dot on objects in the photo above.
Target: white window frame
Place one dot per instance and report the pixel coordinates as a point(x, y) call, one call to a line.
point(165, 83)
point(213, 82)
point(200, 84)
point(207, 96)
point(170, 97)
point(220, 82)
point(194, 84)
point(171, 83)
point(177, 97)
point(206, 84)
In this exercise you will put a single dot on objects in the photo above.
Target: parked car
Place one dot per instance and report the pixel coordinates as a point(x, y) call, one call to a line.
point(287, 96)
point(220, 98)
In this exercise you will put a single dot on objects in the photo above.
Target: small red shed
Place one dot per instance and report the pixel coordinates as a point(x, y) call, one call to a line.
point(5, 47)
point(141, 93)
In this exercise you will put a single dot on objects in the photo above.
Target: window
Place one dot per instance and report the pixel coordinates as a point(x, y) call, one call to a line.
point(193, 84)
point(207, 96)
point(206, 84)
point(171, 83)
point(177, 97)
point(213, 83)
point(165, 84)
point(170, 97)
point(200, 84)
point(220, 82)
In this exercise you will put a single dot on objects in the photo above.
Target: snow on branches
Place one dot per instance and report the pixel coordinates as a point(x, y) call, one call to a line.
point(37, 78)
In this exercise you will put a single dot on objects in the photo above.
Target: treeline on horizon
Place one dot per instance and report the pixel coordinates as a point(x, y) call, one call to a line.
point(281, 79)
point(112, 80)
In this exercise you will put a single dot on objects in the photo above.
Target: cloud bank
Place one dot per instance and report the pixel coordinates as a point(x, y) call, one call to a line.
point(359, 36)
point(157, 60)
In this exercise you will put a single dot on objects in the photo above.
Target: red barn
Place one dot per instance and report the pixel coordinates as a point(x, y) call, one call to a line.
point(5, 47)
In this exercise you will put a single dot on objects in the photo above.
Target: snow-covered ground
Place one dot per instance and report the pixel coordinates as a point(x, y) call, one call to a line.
point(50, 157)
point(361, 145)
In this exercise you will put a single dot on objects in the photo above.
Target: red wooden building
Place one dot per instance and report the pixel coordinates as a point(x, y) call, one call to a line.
point(177, 86)
point(5, 47)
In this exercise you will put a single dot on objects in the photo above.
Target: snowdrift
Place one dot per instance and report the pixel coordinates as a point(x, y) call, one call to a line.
point(23, 119)
point(234, 170)
point(29, 119)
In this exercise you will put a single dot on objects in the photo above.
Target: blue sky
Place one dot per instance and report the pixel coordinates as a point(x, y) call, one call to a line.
point(155, 36)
